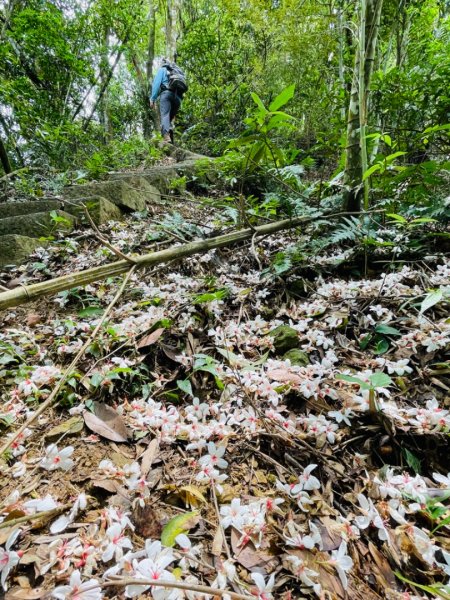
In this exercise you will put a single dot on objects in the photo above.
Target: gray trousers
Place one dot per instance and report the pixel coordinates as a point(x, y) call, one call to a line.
point(169, 105)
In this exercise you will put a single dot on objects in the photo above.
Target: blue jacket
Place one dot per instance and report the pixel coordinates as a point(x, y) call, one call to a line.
point(161, 78)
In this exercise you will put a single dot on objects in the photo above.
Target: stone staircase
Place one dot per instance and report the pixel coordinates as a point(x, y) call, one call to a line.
point(23, 225)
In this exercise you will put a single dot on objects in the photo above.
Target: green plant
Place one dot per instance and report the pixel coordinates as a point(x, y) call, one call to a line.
point(375, 381)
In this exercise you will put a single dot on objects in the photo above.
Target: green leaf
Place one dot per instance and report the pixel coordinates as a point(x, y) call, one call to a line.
point(381, 347)
point(175, 526)
point(387, 330)
point(91, 311)
point(185, 386)
point(258, 101)
point(365, 341)
point(411, 460)
point(371, 170)
point(398, 218)
point(437, 590)
point(431, 299)
point(380, 380)
point(282, 98)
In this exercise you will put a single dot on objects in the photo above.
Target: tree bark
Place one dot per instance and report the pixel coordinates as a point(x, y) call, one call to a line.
point(171, 29)
point(104, 113)
point(4, 159)
point(358, 105)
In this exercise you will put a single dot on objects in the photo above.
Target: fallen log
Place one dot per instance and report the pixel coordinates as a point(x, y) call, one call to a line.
point(27, 293)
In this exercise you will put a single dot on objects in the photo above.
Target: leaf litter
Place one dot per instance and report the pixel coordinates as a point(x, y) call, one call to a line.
point(191, 448)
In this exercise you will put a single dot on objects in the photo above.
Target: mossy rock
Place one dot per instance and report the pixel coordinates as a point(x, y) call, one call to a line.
point(15, 249)
point(36, 225)
point(284, 338)
point(298, 357)
point(15, 209)
point(100, 209)
point(116, 191)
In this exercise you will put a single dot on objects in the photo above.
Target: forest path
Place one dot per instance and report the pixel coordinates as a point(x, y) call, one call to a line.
point(209, 390)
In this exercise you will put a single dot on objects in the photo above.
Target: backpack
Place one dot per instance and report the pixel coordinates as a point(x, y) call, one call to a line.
point(177, 79)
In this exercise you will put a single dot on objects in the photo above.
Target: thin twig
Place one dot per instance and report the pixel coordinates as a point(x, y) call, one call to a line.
point(45, 513)
point(51, 399)
point(178, 585)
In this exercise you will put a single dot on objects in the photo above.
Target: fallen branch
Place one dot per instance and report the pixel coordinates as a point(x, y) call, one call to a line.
point(177, 585)
point(68, 372)
point(39, 515)
point(66, 282)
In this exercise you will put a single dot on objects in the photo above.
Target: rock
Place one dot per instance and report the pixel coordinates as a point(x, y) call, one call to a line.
point(36, 225)
point(13, 209)
point(14, 249)
point(100, 209)
point(151, 193)
point(284, 338)
point(118, 192)
point(298, 357)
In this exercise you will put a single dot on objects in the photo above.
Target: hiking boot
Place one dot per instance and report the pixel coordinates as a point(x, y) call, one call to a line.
point(171, 136)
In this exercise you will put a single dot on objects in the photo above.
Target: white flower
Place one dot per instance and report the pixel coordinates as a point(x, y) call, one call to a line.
point(342, 563)
point(56, 459)
point(77, 590)
point(214, 457)
point(153, 568)
point(300, 570)
point(444, 480)
point(8, 558)
point(117, 541)
point(39, 505)
point(371, 516)
point(18, 469)
point(65, 520)
point(263, 591)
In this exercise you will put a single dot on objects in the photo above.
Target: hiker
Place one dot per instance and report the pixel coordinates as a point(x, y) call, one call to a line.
point(169, 85)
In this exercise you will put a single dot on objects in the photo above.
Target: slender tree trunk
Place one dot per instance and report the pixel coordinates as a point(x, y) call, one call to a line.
point(4, 159)
point(171, 29)
point(356, 151)
point(148, 120)
point(104, 112)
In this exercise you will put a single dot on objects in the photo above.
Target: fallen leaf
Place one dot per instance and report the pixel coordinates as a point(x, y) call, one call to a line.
point(151, 338)
point(284, 376)
point(69, 427)
point(109, 485)
point(147, 522)
point(217, 542)
point(33, 319)
point(149, 456)
point(106, 422)
point(177, 525)
point(18, 593)
point(250, 557)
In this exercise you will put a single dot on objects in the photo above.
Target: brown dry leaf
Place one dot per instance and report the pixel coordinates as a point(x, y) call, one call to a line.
point(149, 456)
point(151, 338)
point(217, 542)
point(69, 427)
point(147, 521)
point(250, 557)
point(383, 573)
point(284, 376)
point(109, 485)
point(106, 422)
point(18, 593)
point(33, 319)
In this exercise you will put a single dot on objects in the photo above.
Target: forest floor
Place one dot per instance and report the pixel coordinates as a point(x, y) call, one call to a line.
point(281, 438)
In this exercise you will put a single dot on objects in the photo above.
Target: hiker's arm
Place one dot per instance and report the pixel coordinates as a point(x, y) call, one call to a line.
point(156, 85)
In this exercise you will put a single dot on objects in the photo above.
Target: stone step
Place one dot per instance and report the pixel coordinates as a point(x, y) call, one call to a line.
point(15, 249)
point(14, 209)
point(126, 197)
point(36, 225)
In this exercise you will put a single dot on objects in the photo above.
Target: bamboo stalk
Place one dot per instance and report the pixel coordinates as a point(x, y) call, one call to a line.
point(66, 282)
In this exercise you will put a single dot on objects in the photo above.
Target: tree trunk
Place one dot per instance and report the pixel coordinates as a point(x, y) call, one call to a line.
point(358, 106)
point(171, 29)
point(104, 112)
point(4, 158)
point(148, 120)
